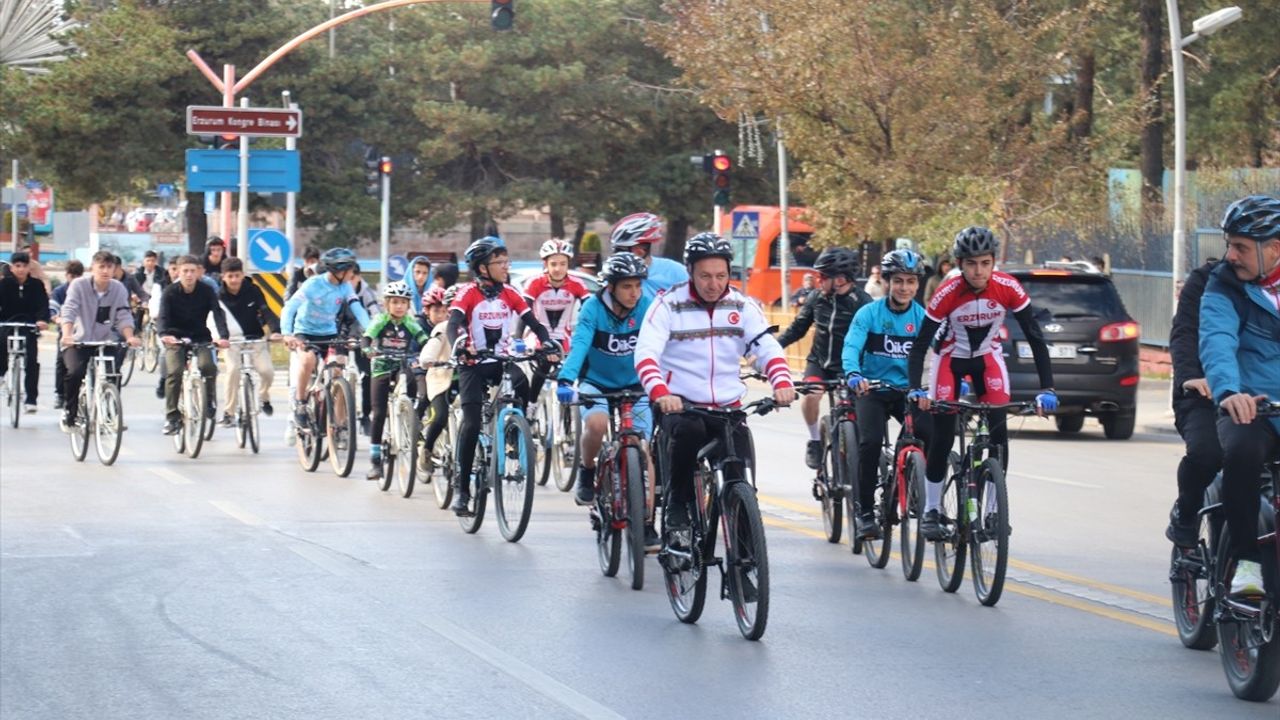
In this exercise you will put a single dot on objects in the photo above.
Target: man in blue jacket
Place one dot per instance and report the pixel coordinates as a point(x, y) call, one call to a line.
point(1239, 344)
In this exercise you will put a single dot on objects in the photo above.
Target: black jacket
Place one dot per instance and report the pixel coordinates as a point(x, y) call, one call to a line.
point(1184, 338)
point(249, 308)
point(26, 302)
point(159, 277)
point(185, 315)
point(832, 314)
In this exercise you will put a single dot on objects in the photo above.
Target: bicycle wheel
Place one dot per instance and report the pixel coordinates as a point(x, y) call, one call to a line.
point(249, 406)
point(1250, 650)
point(608, 534)
point(80, 431)
point(513, 474)
point(405, 462)
point(912, 543)
point(196, 419)
point(746, 560)
point(341, 426)
point(108, 424)
point(242, 413)
point(949, 554)
point(686, 583)
point(479, 491)
point(16, 385)
point(309, 437)
point(882, 506)
point(847, 461)
point(829, 478)
point(544, 439)
point(442, 458)
point(126, 372)
point(989, 533)
point(568, 430)
point(150, 349)
point(632, 466)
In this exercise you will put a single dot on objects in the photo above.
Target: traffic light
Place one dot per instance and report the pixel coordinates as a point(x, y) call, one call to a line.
point(719, 166)
point(221, 142)
point(385, 166)
point(502, 14)
point(372, 173)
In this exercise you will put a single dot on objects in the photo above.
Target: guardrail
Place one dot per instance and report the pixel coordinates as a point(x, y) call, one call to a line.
point(1148, 296)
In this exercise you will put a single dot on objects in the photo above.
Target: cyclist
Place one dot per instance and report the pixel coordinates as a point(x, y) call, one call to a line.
point(311, 315)
point(418, 281)
point(485, 313)
point(151, 277)
point(975, 304)
point(603, 359)
point(95, 310)
point(1239, 344)
point(876, 348)
point(74, 270)
point(349, 328)
point(23, 298)
point(433, 400)
point(1194, 413)
point(214, 251)
point(554, 297)
point(310, 264)
point(831, 307)
point(637, 234)
point(185, 307)
point(248, 318)
point(690, 345)
point(392, 330)
point(153, 309)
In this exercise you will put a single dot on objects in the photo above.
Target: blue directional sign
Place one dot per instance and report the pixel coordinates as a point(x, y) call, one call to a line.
point(219, 171)
point(23, 210)
point(269, 249)
point(165, 190)
point(397, 266)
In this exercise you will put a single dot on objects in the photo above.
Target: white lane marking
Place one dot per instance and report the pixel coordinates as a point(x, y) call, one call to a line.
point(172, 476)
point(1057, 481)
point(237, 512)
point(541, 682)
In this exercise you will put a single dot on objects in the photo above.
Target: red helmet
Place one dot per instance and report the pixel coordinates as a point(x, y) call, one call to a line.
point(635, 229)
point(434, 296)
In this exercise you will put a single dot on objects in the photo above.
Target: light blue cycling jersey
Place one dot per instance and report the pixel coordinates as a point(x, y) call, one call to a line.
point(664, 274)
point(315, 307)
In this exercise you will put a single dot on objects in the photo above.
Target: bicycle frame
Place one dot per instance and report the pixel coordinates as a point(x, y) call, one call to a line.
point(622, 434)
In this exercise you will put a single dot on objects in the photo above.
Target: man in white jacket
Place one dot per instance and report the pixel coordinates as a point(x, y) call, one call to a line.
point(689, 349)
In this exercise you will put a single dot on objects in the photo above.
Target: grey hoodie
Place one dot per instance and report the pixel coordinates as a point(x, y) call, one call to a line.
point(96, 317)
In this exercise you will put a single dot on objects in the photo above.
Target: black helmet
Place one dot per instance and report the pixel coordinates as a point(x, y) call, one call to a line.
point(621, 266)
point(705, 245)
point(479, 252)
point(903, 261)
point(837, 261)
point(974, 241)
point(1256, 217)
point(338, 259)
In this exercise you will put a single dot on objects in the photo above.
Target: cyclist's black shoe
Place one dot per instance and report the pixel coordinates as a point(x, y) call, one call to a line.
point(585, 493)
point(651, 539)
point(813, 454)
point(171, 427)
point(211, 412)
point(299, 415)
point(267, 409)
point(867, 526)
point(364, 426)
point(931, 527)
point(1180, 533)
point(462, 504)
point(227, 420)
point(375, 471)
point(160, 390)
point(677, 526)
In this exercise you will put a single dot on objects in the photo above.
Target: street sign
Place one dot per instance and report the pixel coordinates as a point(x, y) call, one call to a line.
point(23, 210)
point(397, 266)
point(250, 122)
point(164, 190)
point(746, 225)
point(219, 171)
point(268, 249)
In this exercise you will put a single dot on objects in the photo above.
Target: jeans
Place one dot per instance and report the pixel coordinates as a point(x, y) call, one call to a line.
point(1244, 450)
point(175, 365)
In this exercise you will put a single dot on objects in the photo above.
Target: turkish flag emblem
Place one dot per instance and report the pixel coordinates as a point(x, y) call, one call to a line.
point(734, 318)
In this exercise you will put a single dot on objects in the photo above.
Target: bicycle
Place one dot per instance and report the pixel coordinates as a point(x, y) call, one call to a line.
point(15, 388)
point(836, 479)
point(400, 431)
point(899, 493)
point(441, 455)
point(1247, 635)
point(150, 349)
point(622, 489)
point(196, 425)
point(331, 412)
point(975, 505)
point(248, 432)
point(100, 410)
point(503, 460)
point(731, 503)
point(543, 427)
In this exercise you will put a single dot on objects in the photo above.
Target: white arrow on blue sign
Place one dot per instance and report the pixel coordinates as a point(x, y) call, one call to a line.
point(268, 249)
point(397, 265)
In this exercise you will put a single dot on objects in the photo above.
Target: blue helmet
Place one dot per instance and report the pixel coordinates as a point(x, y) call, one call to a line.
point(1256, 217)
point(338, 259)
point(479, 252)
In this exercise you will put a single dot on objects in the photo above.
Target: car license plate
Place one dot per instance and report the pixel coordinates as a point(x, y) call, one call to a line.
point(1060, 351)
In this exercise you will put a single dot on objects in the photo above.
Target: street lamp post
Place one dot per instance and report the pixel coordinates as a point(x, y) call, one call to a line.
point(1204, 27)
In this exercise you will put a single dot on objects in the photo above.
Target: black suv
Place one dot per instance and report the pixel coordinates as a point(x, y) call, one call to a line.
point(1093, 344)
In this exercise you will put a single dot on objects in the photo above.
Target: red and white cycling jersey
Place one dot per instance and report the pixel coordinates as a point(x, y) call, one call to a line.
point(556, 307)
point(491, 317)
point(975, 319)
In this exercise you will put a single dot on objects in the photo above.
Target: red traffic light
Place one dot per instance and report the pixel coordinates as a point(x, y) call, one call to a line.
point(385, 167)
point(721, 163)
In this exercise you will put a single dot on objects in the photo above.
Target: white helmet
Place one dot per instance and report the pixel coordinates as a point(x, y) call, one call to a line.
point(397, 289)
point(556, 246)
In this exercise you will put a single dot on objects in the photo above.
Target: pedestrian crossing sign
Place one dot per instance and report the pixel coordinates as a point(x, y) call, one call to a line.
point(746, 225)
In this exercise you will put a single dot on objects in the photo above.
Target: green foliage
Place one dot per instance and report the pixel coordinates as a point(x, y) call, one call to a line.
point(590, 242)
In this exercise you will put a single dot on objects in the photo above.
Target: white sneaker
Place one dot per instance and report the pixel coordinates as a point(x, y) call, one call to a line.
point(1247, 581)
point(30, 409)
point(290, 437)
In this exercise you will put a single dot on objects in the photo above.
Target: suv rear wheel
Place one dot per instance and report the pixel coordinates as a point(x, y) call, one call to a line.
point(1118, 425)
point(1069, 423)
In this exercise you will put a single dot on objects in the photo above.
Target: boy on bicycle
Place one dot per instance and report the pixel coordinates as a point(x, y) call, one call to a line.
point(433, 404)
point(876, 348)
point(248, 319)
point(485, 314)
point(554, 297)
point(23, 299)
point(831, 306)
point(96, 308)
point(691, 343)
point(603, 359)
point(311, 316)
point(391, 331)
point(185, 307)
point(975, 304)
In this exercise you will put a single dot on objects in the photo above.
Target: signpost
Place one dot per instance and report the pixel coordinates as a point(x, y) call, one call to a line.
point(268, 249)
point(395, 267)
point(244, 121)
point(219, 170)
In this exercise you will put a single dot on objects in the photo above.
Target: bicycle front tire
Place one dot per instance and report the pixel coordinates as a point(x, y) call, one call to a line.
point(442, 454)
point(341, 428)
point(949, 554)
point(16, 385)
point(195, 415)
point(912, 542)
point(746, 560)
point(108, 424)
point(80, 432)
point(513, 474)
point(989, 534)
point(405, 462)
point(309, 439)
point(832, 506)
point(568, 431)
point(633, 467)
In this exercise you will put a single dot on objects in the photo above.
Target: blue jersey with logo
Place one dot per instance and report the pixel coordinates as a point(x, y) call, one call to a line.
point(604, 344)
point(314, 308)
point(879, 341)
point(664, 274)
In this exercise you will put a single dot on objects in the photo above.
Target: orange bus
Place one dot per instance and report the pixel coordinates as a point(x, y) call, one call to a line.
point(754, 231)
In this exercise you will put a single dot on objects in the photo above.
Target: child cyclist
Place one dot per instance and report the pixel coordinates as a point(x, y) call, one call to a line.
point(876, 347)
point(390, 332)
point(975, 304)
point(603, 360)
point(554, 297)
point(433, 405)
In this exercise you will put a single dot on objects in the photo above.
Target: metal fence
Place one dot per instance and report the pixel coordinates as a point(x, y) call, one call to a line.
point(1148, 296)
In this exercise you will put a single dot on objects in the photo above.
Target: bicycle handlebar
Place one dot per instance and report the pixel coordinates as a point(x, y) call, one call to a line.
point(763, 406)
point(1024, 407)
point(27, 325)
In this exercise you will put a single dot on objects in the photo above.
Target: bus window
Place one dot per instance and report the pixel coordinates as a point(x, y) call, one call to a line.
point(802, 255)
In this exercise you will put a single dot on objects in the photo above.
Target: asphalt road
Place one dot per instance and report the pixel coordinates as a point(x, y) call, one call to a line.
point(239, 586)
